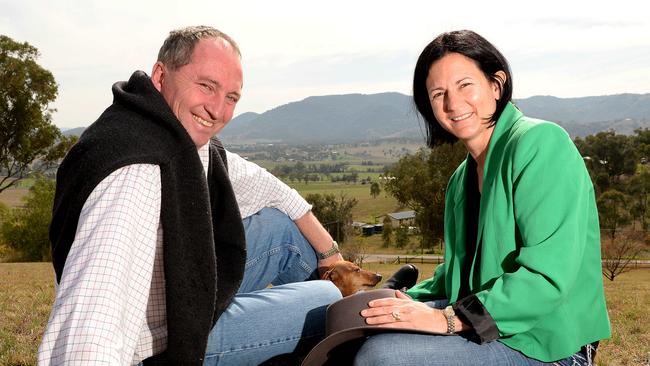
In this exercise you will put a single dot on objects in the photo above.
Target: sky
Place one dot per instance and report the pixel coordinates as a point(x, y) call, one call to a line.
point(295, 49)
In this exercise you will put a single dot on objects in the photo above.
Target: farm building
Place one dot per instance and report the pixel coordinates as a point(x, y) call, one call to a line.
point(403, 218)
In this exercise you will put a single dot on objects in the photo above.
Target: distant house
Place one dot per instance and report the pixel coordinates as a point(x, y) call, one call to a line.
point(403, 218)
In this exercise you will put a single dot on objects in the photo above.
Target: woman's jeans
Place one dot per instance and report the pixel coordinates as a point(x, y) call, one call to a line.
point(289, 317)
point(397, 349)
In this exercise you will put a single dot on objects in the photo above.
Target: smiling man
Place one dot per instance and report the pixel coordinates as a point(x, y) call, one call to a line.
point(149, 250)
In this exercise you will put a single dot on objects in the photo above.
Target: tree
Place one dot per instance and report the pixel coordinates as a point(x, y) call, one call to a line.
point(613, 212)
point(374, 189)
point(619, 253)
point(641, 143)
point(419, 181)
point(638, 189)
point(26, 132)
point(387, 231)
point(401, 236)
point(26, 230)
point(4, 212)
point(335, 213)
point(610, 154)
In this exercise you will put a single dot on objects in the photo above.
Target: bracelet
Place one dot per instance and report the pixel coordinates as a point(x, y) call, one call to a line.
point(450, 314)
point(330, 252)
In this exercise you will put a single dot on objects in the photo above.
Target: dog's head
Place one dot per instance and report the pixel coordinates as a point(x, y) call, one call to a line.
point(350, 278)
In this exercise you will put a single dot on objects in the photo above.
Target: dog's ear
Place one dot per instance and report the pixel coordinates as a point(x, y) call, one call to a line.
point(329, 274)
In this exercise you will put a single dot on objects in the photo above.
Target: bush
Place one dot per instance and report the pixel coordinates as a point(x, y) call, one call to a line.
point(26, 230)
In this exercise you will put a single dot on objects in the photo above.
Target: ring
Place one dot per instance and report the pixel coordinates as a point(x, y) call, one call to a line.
point(395, 315)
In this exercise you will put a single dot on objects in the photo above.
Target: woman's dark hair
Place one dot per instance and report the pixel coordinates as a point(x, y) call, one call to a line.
point(468, 44)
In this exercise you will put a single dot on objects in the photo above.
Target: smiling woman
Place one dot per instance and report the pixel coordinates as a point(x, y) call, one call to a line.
point(521, 280)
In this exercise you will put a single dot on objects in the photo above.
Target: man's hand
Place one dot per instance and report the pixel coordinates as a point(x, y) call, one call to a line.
point(323, 264)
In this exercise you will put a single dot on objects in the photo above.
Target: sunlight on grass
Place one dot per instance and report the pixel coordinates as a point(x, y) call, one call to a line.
point(27, 292)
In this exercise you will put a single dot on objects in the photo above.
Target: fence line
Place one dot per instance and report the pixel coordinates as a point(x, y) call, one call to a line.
point(637, 263)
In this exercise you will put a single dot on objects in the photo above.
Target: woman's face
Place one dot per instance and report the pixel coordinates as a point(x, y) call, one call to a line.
point(462, 98)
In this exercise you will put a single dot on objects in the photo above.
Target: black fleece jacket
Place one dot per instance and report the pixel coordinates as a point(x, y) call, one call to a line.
point(203, 238)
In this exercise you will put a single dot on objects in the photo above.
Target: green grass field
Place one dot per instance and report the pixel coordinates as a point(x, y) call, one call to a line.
point(27, 292)
point(366, 210)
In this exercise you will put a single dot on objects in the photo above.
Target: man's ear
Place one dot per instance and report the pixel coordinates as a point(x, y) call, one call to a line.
point(158, 74)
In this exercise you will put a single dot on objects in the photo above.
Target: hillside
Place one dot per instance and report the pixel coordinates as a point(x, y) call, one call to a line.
point(365, 117)
point(358, 117)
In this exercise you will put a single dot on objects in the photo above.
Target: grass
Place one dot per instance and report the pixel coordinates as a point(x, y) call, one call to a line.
point(26, 295)
point(13, 197)
point(368, 208)
point(628, 303)
point(27, 292)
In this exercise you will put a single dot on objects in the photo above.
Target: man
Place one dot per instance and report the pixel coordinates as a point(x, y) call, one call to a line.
point(148, 244)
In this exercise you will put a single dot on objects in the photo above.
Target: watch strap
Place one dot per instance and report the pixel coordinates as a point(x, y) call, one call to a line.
point(332, 251)
point(450, 314)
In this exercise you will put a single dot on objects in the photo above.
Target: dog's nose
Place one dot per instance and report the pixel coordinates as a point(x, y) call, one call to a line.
point(379, 277)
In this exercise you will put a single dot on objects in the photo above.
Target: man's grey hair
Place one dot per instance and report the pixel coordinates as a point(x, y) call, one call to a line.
point(177, 49)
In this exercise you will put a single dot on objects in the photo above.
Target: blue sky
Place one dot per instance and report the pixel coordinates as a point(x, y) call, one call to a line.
point(295, 49)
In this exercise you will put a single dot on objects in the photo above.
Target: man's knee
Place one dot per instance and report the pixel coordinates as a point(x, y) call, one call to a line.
point(321, 291)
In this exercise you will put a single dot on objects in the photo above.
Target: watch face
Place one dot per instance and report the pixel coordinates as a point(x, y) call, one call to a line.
point(449, 311)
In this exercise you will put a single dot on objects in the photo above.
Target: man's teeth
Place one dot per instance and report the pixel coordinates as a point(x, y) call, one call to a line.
point(461, 117)
point(202, 121)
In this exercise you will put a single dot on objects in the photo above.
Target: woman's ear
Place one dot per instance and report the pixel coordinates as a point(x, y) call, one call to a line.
point(498, 83)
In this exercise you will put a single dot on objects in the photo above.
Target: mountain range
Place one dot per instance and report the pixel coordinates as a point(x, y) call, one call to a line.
point(359, 117)
point(364, 117)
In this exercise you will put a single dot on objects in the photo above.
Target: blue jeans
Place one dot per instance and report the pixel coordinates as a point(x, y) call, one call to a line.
point(289, 317)
point(397, 349)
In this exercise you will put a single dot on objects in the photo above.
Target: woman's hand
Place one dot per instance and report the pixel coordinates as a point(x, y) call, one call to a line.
point(403, 312)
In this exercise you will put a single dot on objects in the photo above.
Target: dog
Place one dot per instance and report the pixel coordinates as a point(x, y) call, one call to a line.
point(350, 278)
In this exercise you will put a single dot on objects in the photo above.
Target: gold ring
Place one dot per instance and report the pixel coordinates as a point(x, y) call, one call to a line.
point(396, 315)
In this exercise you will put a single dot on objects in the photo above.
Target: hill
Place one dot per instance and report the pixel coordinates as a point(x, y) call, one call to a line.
point(358, 117)
point(366, 117)
point(332, 118)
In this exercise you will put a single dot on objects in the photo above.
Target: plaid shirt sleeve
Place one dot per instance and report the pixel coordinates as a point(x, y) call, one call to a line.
point(101, 303)
point(256, 188)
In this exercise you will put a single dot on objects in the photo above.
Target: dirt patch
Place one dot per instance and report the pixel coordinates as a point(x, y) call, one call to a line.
point(12, 197)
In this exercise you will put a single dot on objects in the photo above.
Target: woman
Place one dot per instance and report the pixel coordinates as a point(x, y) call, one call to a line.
point(522, 260)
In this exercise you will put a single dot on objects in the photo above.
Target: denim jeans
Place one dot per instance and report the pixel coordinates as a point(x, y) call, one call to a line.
point(398, 349)
point(289, 317)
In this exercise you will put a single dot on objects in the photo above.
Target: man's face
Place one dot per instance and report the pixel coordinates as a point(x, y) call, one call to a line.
point(203, 93)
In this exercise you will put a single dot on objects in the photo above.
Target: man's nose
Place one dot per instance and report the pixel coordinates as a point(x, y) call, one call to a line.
point(215, 107)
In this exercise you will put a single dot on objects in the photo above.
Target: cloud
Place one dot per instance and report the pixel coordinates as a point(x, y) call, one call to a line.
point(293, 49)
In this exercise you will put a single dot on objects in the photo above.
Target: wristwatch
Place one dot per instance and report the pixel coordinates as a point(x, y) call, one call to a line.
point(450, 314)
point(330, 252)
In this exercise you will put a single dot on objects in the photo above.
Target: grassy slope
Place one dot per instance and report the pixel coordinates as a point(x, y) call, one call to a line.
point(27, 290)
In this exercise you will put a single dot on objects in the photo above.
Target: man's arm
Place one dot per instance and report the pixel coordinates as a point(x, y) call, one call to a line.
point(256, 188)
point(101, 300)
point(318, 237)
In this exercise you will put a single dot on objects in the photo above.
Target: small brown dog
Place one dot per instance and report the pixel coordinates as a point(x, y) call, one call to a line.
point(350, 278)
